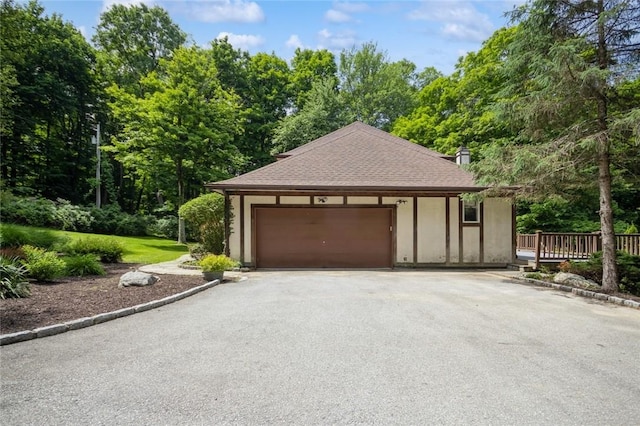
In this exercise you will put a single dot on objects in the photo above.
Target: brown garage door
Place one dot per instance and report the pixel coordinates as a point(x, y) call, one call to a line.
point(323, 237)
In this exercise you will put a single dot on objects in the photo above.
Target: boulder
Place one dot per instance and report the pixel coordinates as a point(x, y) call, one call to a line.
point(575, 281)
point(136, 278)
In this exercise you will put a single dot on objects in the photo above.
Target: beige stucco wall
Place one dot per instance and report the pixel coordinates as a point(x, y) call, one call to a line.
point(498, 233)
point(404, 229)
point(298, 199)
point(332, 200)
point(431, 230)
point(362, 200)
point(454, 244)
point(470, 244)
point(249, 200)
point(234, 237)
point(432, 236)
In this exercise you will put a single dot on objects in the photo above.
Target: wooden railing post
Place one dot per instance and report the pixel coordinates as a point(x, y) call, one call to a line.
point(538, 243)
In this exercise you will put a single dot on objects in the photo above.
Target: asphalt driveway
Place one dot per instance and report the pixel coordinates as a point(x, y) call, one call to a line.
point(339, 348)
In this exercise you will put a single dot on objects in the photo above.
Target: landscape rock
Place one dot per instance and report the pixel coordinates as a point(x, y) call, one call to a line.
point(576, 281)
point(136, 278)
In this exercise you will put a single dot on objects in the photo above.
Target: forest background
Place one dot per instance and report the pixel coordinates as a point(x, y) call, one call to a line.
point(550, 103)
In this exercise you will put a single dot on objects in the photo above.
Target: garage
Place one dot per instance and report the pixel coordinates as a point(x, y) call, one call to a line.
point(323, 237)
point(360, 197)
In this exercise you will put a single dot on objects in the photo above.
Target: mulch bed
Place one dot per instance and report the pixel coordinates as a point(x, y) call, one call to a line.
point(71, 298)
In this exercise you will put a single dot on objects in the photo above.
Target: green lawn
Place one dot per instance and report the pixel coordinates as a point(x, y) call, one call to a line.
point(137, 249)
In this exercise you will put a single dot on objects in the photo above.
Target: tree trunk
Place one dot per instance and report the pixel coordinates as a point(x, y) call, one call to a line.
point(609, 270)
point(140, 193)
point(180, 177)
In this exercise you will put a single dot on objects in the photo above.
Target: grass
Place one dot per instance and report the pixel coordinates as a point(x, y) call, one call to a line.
point(137, 249)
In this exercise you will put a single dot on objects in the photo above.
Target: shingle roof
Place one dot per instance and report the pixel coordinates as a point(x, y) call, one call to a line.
point(357, 157)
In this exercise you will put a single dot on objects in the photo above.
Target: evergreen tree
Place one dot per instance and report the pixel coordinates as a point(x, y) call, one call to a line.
point(568, 63)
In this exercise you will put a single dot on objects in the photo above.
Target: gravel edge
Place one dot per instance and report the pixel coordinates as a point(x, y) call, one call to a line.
point(51, 330)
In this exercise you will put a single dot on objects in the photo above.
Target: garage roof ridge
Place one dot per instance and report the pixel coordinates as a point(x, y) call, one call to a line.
point(321, 141)
point(403, 143)
point(360, 126)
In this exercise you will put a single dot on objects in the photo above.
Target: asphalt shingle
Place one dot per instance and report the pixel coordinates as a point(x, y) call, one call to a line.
point(357, 156)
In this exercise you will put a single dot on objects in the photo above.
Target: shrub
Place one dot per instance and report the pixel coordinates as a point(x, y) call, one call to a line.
point(13, 283)
point(206, 214)
point(164, 227)
point(212, 237)
point(535, 276)
point(42, 265)
point(29, 211)
point(111, 220)
point(197, 251)
point(81, 265)
point(70, 217)
point(40, 212)
point(217, 262)
point(46, 239)
point(631, 229)
point(590, 269)
point(15, 236)
point(105, 220)
point(107, 249)
point(129, 224)
point(628, 270)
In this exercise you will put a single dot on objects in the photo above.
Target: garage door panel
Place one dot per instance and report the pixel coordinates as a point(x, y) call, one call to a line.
point(320, 237)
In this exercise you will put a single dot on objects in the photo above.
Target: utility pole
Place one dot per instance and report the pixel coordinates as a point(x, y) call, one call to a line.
point(96, 141)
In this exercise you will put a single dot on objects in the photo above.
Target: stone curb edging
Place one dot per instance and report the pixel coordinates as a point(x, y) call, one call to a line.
point(584, 293)
point(50, 330)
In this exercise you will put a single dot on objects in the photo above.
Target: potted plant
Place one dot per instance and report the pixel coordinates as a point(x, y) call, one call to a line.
point(214, 265)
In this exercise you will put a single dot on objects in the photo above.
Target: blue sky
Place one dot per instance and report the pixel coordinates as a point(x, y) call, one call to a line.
point(428, 32)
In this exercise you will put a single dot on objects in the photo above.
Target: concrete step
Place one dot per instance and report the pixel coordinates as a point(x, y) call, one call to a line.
point(522, 267)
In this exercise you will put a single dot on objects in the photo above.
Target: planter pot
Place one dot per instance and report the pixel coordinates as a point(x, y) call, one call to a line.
point(213, 275)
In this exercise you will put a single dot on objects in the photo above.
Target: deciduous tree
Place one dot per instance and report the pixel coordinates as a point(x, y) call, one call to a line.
point(309, 67)
point(47, 86)
point(181, 132)
point(323, 113)
point(374, 90)
point(458, 109)
point(132, 39)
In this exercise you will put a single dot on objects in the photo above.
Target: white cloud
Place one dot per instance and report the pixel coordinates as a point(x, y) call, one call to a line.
point(225, 11)
point(351, 7)
point(242, 41)
point(341, 11)
point(340, 40)
point(294, 42)
point(336, 16)
point(460, 20)
point(462, 32)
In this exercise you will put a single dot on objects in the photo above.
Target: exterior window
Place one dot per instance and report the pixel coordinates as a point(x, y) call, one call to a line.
point(471, 213)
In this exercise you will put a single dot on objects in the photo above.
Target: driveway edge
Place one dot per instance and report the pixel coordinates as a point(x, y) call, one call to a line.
point(581, 292)
point(51, 330)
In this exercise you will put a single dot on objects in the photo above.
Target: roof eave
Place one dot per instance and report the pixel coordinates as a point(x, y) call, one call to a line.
point(346, 188)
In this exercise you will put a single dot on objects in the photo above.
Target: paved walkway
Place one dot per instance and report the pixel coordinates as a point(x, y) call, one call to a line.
point(335, 347)
point(173, 267)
